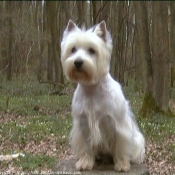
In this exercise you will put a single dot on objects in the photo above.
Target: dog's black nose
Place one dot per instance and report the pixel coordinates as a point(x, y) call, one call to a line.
point(78, 63)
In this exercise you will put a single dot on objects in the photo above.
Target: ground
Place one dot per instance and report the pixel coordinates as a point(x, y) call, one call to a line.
point(37, 123)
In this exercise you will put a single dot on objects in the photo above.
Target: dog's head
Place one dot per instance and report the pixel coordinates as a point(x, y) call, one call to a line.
point(85, 54)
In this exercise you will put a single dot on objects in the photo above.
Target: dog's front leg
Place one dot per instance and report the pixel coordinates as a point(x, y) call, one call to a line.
point(81, 146)
point(85, 162)
point(121, 164)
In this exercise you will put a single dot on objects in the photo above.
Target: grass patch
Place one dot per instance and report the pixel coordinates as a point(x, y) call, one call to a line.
point(31, 119)
point(155, 127)
point(31, 115)
point(35, 129)
point(32, 162)
point(34, 105)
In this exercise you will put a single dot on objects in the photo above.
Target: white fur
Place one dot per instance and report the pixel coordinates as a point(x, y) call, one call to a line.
point(102, 118)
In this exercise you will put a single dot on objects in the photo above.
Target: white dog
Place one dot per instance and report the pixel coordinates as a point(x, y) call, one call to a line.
point(102, 119)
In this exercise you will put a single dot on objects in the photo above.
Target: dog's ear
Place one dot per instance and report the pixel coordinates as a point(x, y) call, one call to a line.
point(101, 30)
point(71, 26)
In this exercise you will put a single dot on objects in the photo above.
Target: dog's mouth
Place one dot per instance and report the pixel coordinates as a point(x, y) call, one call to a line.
point(80, 75)
point(78, 70)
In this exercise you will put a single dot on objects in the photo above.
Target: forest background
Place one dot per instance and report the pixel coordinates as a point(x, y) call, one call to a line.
point(35, 97)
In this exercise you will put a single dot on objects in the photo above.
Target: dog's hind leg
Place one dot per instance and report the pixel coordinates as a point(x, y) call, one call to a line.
point(123, 146)
point(122, 152)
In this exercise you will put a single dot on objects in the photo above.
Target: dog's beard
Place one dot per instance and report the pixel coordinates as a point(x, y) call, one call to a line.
point(86, 74)
point(80, 76)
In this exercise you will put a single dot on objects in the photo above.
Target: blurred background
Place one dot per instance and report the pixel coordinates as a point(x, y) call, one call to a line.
point(143, 37)
point(35, 97)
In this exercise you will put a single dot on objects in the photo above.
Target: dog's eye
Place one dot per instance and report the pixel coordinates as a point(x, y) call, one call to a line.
point(74, 50)
point(91, 51)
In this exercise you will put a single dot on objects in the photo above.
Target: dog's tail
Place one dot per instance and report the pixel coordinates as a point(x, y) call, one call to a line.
point(139, 148)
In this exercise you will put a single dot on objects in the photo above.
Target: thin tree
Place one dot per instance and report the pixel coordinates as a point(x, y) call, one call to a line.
point(172, 41)
point(81, 10)
point(52, 8)
point(10, 41)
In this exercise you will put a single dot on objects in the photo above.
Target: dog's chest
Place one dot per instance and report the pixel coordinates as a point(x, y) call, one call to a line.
point(94, 110)
point(97, 121)
point(95, 103)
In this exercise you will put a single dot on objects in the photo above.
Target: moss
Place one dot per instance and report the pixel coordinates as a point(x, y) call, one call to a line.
point(149, 106)
point(168, 113)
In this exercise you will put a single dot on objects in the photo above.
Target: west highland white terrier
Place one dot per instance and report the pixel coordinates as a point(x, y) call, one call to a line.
point(103, 122)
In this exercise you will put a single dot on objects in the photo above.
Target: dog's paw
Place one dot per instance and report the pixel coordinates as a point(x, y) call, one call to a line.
point(122, 165)
point(84, 164)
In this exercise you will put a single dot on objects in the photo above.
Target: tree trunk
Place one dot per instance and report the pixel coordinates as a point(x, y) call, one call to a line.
point(106, 12)
point(145, 56)
point(114, 27)
point(10, 42)
point(172, 41)
point(96, 11)
point(120, 44)
point(66, 8)
point(161, 56)
point(81, 13)
point(50, 64)
point(138, 61)
point(52, 17)
point(40, 43)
